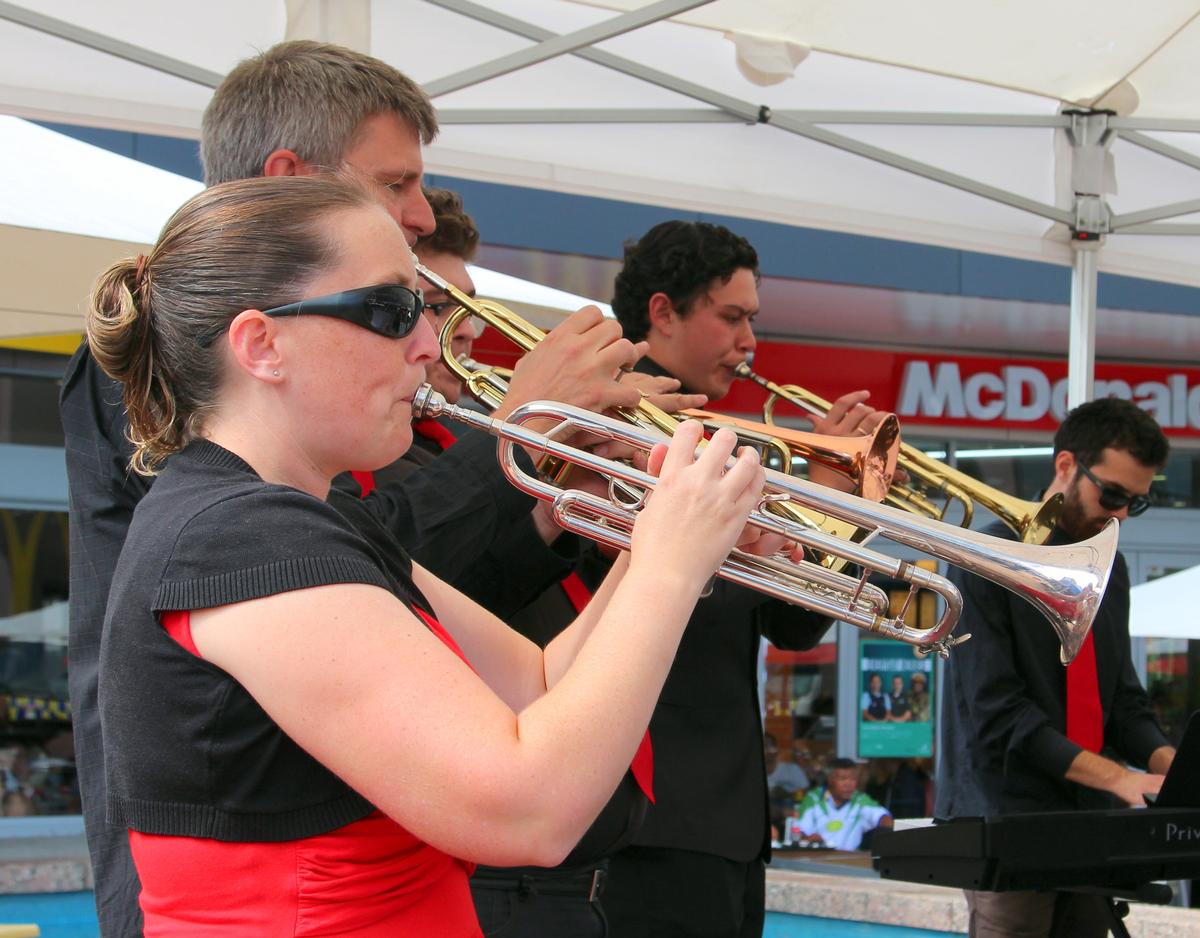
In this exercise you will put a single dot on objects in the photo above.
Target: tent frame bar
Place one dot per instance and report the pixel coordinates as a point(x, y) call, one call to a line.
point(699, 116)
point(61, 29)
point(1128, 128)
point(555, 46)
point(1162, 149)
point(749, 112)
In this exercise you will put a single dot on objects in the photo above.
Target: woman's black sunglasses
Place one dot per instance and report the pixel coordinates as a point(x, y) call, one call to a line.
point(390, 309)
point(1114, 498)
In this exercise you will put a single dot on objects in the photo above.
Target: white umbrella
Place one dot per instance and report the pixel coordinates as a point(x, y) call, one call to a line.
point(740, 107)
point(71, 209)
point(1165, 608)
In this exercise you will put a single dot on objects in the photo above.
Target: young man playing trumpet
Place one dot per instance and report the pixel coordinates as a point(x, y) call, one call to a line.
point(697, 866)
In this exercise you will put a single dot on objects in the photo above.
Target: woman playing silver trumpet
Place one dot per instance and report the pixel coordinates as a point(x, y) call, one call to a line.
point(301, 725)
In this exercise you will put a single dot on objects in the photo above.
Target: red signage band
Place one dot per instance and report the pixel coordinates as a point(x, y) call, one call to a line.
point(948, 390)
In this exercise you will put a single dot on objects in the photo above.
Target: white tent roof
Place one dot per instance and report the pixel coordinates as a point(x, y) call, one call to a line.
point(67, 211)
point(1166, 608)
point(683, 133)
point(74, 208)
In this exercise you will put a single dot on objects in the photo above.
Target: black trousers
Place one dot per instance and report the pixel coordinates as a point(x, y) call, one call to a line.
point(656, 892)
point(535, 903)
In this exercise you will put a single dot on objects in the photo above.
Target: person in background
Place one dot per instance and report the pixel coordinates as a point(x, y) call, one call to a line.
point(786, 781)
point(918, 696)
point(17, 804)
point(876, 705)
point(839, 815)
point(899, 709)
point(1021, 733)
point(783, 774)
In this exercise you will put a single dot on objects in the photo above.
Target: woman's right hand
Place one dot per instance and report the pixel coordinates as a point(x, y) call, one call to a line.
point(698, 509)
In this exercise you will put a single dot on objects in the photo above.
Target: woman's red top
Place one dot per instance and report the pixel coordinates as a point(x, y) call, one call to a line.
point(369, 879)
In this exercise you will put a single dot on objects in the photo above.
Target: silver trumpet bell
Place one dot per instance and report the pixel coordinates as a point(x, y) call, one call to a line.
point(1065, 582)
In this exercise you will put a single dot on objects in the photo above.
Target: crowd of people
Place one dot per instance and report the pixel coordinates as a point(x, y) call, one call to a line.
point(328, 667)
point(39, 779)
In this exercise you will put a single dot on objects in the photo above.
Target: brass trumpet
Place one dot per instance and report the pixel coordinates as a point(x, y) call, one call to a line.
point(1066, 583)
point(1032, 521)
point(489, 388)
point(869, 461)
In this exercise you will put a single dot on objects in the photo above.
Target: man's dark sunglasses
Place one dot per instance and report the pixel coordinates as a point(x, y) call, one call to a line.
point(390, 309)
point(1114, 498)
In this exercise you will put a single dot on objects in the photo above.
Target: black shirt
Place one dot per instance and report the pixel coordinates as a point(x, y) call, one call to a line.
point(1004, 743)
point(710, 777)
point(103, 493)
point(188, 751)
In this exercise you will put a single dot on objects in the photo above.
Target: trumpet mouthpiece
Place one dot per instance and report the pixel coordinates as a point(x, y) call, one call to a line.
point(427, 403)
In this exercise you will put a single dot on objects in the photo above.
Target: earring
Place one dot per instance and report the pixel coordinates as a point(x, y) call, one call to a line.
point(275, 372)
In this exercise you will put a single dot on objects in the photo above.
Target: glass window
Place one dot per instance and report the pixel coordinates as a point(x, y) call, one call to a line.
point(36, 747)
point(29, 385)
point(1172, 672)
point(800, 724)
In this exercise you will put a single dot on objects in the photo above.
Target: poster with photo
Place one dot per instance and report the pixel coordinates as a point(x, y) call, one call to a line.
point(895, 713)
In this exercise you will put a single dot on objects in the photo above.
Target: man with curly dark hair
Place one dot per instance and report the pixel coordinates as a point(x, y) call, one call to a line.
point(690, 289)
point(697, 867)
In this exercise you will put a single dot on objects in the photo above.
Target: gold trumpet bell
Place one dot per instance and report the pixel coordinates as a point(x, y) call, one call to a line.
point(868, 461)
point(1031, 521)
point(1039, 526)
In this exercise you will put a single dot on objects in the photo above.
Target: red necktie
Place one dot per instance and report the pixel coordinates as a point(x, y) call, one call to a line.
point(432, 430)
point(1085, 717)
point(365, 480)
point(643, 760)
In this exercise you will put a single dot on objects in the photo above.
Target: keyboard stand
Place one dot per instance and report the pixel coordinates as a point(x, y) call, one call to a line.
point(1117, 901)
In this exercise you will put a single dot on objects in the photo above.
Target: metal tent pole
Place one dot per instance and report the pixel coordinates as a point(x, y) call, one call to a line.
point(1081, 344)
point(1090, 136)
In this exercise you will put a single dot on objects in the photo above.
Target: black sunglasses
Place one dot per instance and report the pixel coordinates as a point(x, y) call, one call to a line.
point(1114, 498)
point(390, 309)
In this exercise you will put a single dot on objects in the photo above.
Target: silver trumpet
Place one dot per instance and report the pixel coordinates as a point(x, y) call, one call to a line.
point(1065, 582)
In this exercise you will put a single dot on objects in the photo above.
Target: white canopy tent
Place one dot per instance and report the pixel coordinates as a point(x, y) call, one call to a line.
point(72, 209)
point(991, 126)
point(69, 210)
point(1165, 608)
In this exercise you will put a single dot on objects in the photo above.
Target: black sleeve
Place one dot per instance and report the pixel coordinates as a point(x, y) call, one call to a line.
point(272, 540)
point(98, 449)
point(103, 493)
point(447, 513)
point(999, 709)
point(1132, 729)
point(460, 518)
point(789, 627)
point(518, 566)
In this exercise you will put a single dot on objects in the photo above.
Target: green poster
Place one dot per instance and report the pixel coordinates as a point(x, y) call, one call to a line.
point(895, 712)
